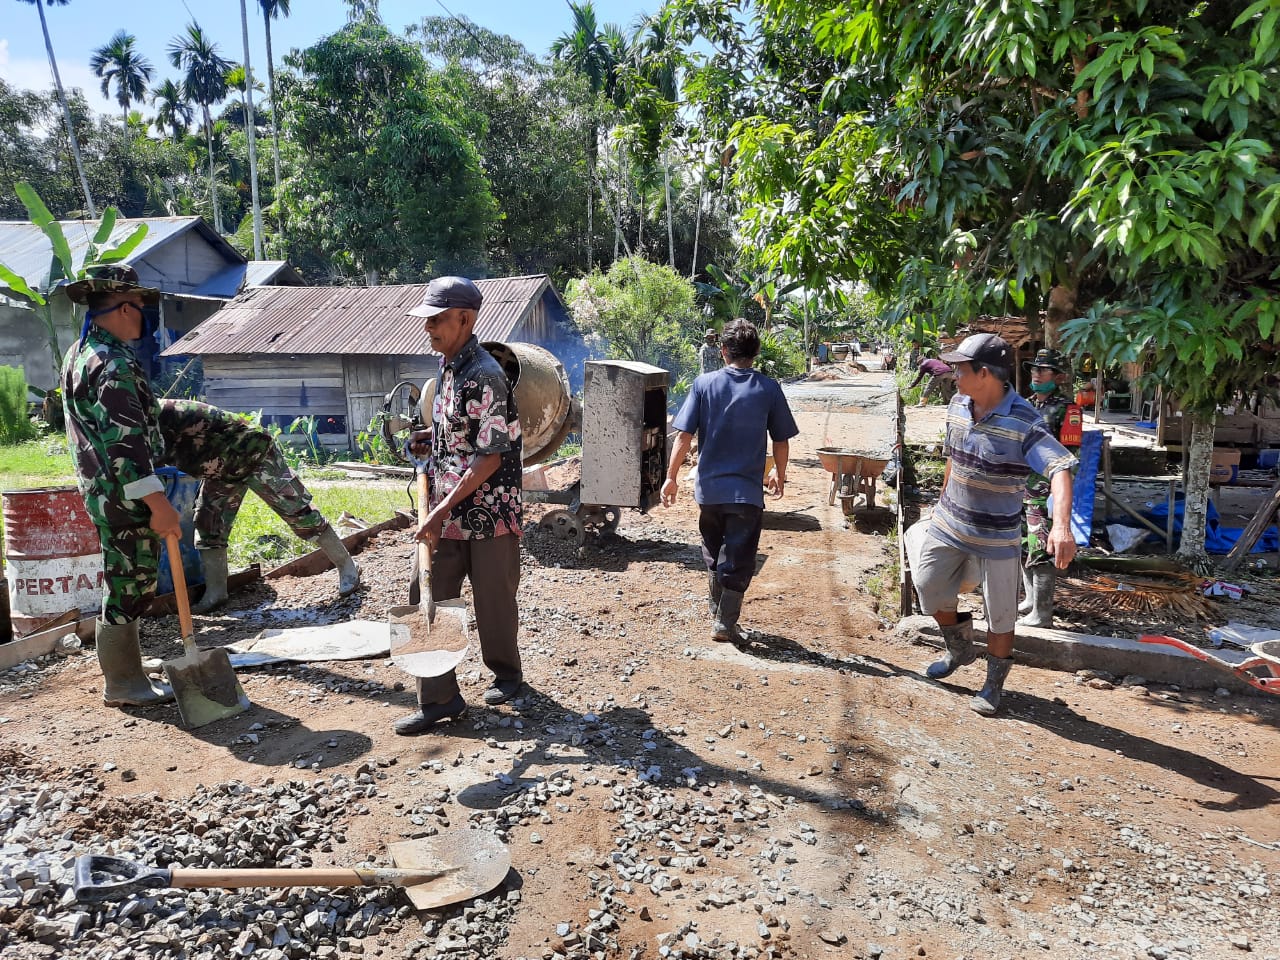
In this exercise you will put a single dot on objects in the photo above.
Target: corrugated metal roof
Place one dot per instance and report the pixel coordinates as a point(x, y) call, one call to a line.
point(270, 272)
point(27, 251)
point(348, 320)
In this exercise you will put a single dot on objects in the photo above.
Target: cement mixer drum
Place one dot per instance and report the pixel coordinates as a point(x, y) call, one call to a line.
point(547, 413)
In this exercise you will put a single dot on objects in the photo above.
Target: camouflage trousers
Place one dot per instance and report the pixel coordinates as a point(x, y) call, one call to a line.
point(231, 456)
point(1036, 524)
point(130, 565)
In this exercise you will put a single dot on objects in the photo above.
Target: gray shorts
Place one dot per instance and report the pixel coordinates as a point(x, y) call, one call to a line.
point(939, 577)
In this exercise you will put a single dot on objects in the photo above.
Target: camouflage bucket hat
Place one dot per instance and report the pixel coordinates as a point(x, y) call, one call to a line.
point(111, 278)
point(1048, 357)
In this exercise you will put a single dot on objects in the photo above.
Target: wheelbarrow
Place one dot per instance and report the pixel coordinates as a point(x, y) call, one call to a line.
point(1266, 657)
point(853, 477)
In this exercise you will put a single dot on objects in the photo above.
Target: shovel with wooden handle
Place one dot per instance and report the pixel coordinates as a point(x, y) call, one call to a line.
point(432, 638)
point(447, 868)
point(203, 682)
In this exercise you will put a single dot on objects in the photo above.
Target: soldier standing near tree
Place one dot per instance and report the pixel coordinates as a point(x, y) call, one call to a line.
point(1039, 575)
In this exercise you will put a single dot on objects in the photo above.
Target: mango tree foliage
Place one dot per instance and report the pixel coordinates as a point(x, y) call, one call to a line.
point(1109, 164)
point(391, 180)
point(536, 116)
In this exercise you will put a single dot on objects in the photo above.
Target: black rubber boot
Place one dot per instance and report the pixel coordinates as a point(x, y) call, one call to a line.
point(121, 662)
point(1028, 593)
point(429, 714)
point(987, 701)
point(958, 639)
point(713, 592)
point(215, 580)
point(1043, 579)
point(727, 613)
point(336, 551)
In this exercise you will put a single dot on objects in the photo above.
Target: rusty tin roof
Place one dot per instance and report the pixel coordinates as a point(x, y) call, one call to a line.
point(349, 320)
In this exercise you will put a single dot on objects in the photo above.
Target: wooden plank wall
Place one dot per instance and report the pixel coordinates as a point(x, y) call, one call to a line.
point(370, 379)
point(187, 264)
point(285, 387)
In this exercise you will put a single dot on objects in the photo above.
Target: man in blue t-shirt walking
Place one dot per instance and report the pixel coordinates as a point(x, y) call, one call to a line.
point(731, 410)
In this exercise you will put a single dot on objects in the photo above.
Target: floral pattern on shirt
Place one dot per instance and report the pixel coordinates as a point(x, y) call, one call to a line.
point(474, 414)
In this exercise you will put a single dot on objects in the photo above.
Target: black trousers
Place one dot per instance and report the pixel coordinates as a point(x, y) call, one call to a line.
point(730, 536)
point(493, 567)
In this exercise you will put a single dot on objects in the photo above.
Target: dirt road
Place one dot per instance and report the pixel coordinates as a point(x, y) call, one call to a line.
point(809, 795)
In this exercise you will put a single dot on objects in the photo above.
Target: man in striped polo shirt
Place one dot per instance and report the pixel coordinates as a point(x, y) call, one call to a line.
point(995, 438)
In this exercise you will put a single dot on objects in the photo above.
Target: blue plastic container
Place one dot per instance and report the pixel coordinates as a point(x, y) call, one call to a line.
point(1268, 459)
point(181, 491)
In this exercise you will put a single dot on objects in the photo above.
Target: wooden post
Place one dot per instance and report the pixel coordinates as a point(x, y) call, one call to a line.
point(1254, 530)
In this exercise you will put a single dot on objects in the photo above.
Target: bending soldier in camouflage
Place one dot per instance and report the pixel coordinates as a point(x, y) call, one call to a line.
point(115, 431)
point(230, 455)
point(1039, 576)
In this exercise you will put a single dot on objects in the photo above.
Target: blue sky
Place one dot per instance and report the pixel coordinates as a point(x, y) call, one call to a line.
point(84, 25)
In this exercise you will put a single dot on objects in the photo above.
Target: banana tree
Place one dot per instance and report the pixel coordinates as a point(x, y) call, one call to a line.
point(38, 292)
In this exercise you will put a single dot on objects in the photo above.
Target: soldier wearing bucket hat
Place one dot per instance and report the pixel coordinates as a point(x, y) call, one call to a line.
point(119, 434)
point(994, 440)
point(1038, 573)
point(709, 355)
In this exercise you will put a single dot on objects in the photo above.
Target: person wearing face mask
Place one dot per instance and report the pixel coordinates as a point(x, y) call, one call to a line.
point(1038, 571)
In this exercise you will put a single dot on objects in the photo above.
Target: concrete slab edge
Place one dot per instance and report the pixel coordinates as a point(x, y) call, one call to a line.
point(1068, 651)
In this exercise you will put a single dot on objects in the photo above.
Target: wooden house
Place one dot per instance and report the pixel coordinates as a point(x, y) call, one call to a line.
point(335, 352)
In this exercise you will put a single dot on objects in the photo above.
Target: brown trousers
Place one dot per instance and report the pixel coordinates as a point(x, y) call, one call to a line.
point(493, 567)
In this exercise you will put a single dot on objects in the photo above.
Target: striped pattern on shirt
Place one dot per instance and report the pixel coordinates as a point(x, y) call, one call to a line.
point(981, 508)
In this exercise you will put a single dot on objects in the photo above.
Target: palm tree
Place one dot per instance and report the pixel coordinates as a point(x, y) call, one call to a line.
point(593, 53)
point(66, 109)
point(173, 110)
point(272, 9)
point(251, 129)
point(205, 83)
point(120, 61)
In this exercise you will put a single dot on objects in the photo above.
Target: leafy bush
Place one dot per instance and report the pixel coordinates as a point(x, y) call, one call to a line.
point(15, 423)
point(643, 312)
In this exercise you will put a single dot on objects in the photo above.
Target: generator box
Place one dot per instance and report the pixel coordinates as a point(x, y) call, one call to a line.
point(624, 433)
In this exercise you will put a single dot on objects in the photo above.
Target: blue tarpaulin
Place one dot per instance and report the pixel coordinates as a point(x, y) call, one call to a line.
point(1217, 538)
point(1084, 485)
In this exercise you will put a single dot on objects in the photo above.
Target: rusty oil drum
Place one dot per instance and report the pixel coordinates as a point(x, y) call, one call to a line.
point(53, 558)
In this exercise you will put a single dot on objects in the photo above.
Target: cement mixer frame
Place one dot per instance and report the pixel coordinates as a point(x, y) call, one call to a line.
point(622, 418)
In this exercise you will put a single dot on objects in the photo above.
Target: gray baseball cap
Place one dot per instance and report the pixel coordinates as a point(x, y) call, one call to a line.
point(984, 348)
point(445, 292)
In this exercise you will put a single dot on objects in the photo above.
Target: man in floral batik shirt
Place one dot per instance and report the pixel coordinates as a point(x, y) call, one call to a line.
point(473, 529)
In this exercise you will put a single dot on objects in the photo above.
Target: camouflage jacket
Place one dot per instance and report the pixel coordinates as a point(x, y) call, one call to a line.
point(1053, 408)
point(113, 427)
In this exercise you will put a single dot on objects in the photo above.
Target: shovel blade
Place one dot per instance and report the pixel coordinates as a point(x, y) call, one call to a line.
point(472, 862)
point(432, 648)
point(205, 686)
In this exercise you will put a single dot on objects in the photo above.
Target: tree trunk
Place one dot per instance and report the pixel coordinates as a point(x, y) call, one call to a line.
point(66, 115)
point(275, 129)
point(671, 236)
point(251, 130)
point(213, 188)
point(1061, 308)
point(697, 228)
point(1195, 484)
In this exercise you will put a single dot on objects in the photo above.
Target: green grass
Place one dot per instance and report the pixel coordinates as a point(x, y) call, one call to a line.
point(36, 463)
point(259, 536)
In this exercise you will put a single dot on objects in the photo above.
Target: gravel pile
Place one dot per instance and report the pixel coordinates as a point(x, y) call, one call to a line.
point(48, 821)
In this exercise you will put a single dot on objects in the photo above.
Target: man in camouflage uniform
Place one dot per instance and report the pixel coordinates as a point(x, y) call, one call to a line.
point(709, 356)
point(1038, 571)
point(114, 425)
point(230, 455)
